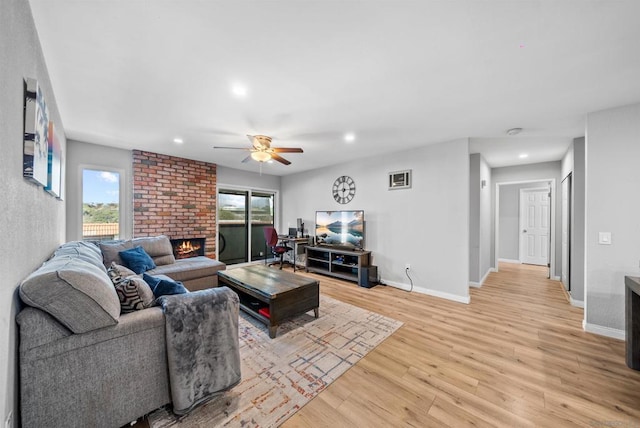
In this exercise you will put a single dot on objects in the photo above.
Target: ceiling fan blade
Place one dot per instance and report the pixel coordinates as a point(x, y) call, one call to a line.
point(232, 148)
point(247, 159)
point(280, 159)
point(286, 150)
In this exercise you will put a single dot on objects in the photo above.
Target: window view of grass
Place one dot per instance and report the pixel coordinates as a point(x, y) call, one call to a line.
point(100, 205)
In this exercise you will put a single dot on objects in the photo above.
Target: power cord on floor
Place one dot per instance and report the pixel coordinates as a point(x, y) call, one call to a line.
point(406, 272)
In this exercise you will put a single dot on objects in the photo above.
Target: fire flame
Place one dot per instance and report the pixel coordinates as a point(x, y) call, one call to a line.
point(187, 247)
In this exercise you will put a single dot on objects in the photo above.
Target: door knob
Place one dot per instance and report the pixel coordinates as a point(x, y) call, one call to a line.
point(524, 230)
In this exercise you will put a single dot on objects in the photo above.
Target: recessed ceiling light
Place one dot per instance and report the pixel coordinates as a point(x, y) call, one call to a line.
point(523, 155)
point(239, 90)
point(349, 137)
point(178, 140)
point(514, 131)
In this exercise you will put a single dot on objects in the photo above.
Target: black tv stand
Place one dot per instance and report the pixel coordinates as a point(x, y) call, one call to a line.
point(337, 262)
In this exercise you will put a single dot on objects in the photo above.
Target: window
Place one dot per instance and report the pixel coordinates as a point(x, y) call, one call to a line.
point(100, 205)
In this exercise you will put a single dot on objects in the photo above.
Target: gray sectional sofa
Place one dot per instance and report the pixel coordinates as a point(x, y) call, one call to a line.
point(196, 273)
point(83, 363)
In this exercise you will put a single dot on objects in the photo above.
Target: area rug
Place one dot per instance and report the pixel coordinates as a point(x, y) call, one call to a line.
point(281, 375)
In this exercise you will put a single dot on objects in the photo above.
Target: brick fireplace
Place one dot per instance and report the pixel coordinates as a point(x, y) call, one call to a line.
point(175, 197)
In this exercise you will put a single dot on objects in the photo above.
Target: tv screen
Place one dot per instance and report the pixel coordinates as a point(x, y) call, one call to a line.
point(340, 228)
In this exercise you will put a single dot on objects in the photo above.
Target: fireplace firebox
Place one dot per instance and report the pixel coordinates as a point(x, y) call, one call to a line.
point(185, 248)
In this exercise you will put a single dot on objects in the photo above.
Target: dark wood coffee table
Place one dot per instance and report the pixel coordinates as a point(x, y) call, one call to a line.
point(283, 294)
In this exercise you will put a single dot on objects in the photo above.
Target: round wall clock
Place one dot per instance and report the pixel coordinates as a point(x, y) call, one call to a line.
point(344, 189)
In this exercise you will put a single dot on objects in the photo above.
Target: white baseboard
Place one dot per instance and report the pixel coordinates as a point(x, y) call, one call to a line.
point(434, 293)
point(555, 278)
point(603, 331)
point(510, 261)
point(479, 284)
point(576, 303)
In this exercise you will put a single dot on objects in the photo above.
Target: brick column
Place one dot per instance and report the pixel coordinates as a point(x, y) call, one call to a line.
point(175, 197)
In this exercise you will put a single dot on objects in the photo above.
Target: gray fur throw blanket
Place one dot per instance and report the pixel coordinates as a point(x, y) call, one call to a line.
point(203, 351)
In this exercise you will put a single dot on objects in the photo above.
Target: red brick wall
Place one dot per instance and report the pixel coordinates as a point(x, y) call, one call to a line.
point(175, 197)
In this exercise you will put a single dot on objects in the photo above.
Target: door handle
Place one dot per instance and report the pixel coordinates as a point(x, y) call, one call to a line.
point(524, 230)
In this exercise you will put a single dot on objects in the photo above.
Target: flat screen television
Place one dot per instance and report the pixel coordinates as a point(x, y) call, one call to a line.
point(340, 228)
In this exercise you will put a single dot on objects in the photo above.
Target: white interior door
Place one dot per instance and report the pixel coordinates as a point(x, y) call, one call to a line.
point(535, 227)
point(566, 232)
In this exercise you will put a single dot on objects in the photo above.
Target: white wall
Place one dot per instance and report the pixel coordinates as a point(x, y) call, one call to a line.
point(531, 172)
point(578, 237)
point(426, 226)
point(485, 218)
point(474, 218)
point(85, 155)
point(237, 177)
point(573, 163)
point(613, 178)
point(32, 223)
point(479, 219)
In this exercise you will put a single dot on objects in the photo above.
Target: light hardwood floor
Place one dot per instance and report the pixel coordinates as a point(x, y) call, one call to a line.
point(516, 356)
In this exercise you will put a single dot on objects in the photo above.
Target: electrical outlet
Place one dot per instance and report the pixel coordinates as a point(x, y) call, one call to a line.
point(407, 266)
point(8, 423)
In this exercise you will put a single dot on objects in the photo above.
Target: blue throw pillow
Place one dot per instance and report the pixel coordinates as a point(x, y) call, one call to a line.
point(137, 260)
point(164, 287)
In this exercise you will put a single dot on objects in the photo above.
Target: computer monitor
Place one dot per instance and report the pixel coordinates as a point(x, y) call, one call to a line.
point(292, 231)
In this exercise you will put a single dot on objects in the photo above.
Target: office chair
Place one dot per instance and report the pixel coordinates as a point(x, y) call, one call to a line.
point(271, 241)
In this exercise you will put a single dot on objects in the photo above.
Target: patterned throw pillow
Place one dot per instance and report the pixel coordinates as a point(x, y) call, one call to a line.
point(134, 293)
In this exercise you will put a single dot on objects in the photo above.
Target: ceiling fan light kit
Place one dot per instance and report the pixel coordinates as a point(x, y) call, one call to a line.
point(514, 131)
point(261, 156)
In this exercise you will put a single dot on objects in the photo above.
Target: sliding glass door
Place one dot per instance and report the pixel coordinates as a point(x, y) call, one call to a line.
point(242, 216)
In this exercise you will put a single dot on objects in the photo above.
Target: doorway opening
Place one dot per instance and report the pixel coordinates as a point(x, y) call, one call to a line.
point(567, 208)
point(508, 246)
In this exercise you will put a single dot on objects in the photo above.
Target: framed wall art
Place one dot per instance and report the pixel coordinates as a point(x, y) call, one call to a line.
point(54, 169)
point(36, 128)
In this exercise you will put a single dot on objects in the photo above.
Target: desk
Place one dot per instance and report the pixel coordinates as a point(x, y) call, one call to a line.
point(632, 321)
point(298, 258)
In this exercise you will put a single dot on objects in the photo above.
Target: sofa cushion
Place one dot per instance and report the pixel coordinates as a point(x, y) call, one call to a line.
point(188, 269)
point(164, 286)
point(111, 251)
point(75, 292)
point(83, 250)
point(158, 247)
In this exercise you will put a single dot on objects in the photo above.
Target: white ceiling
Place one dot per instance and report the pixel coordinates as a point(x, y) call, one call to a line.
point(399, 74)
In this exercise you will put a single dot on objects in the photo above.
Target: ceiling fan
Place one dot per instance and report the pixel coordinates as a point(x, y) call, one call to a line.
point(262, 150)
